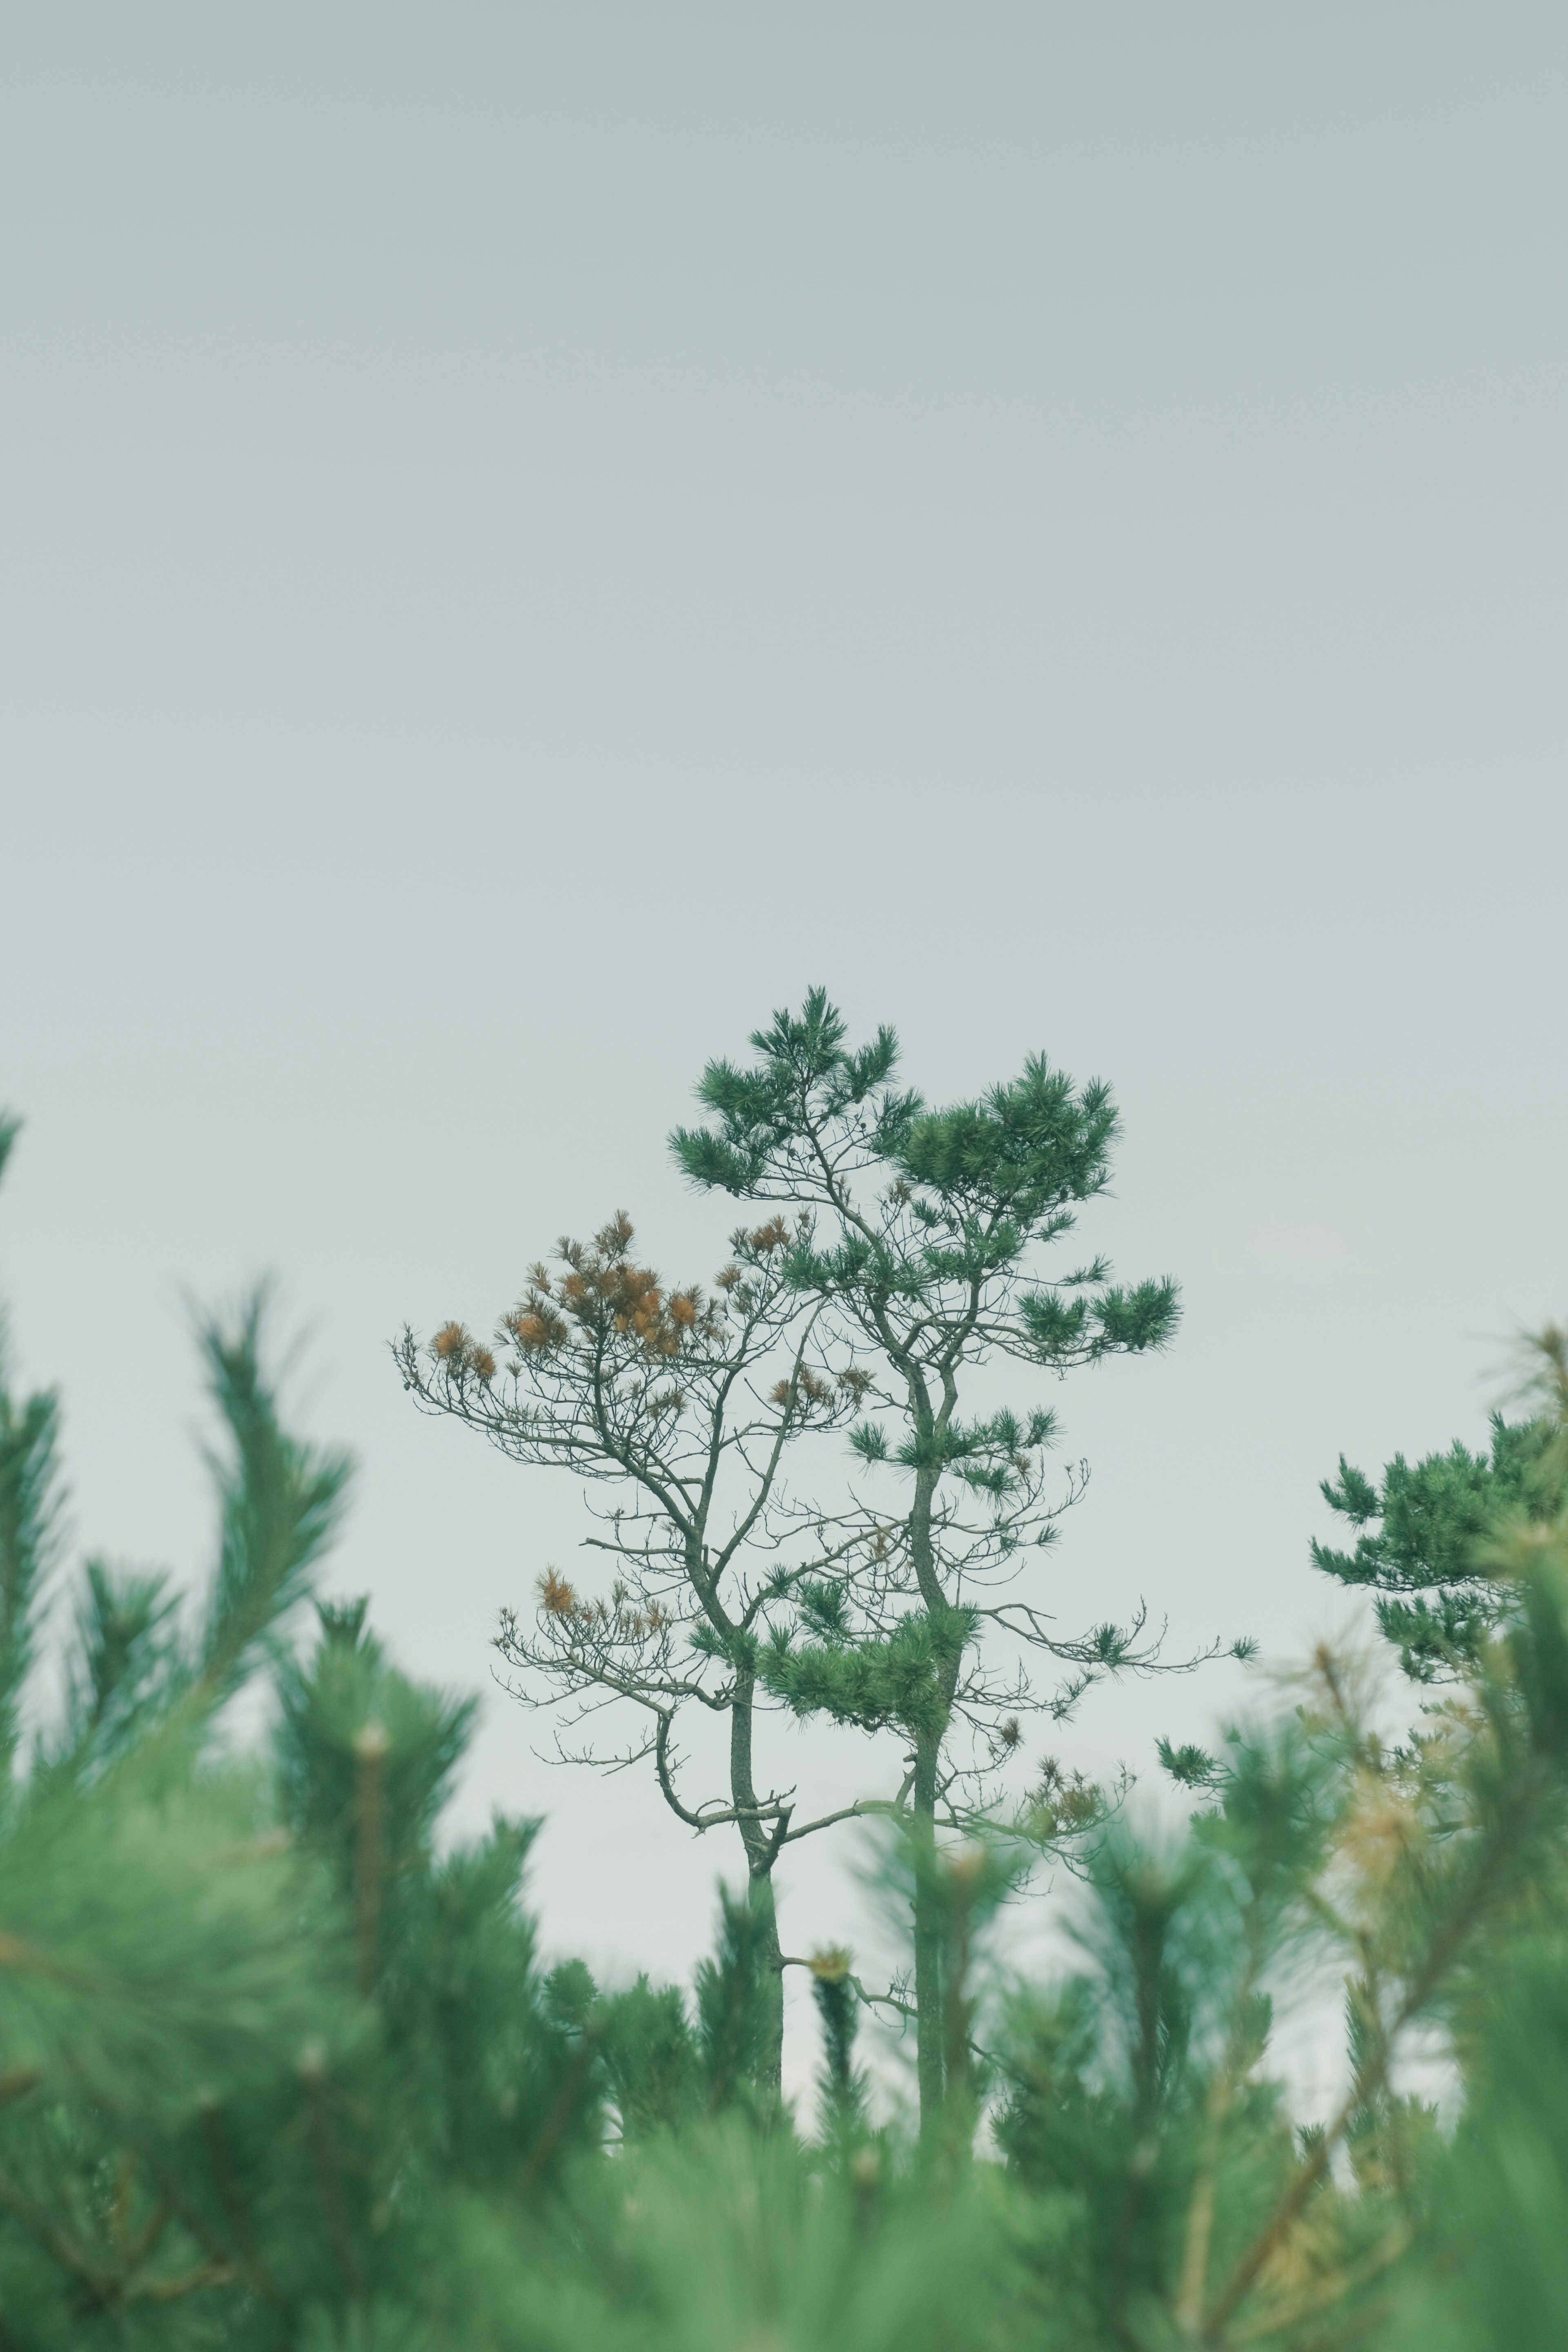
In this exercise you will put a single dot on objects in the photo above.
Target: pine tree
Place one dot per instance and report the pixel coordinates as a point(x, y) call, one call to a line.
point(922, 1245)
point(259, 2044)
point(1178, 2202)
point(685, 1404)
point(1422, 1529)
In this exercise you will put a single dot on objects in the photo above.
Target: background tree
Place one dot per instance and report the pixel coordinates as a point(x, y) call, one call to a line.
point(918, 1234)
point(685, 1403)
point(1419, 1545)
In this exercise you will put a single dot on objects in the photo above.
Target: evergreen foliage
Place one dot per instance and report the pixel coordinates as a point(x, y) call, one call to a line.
point(842, 2090)
point(923, 1236)
point(28, 1433)
point(1423, 1526)
point(281, 2070)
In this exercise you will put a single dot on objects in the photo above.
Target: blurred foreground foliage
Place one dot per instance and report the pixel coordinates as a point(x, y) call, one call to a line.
point(278, 2071)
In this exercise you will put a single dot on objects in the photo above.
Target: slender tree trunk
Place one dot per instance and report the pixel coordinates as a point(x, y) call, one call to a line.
point(929, 1926)
point(757, 1837)
point(770, 2063)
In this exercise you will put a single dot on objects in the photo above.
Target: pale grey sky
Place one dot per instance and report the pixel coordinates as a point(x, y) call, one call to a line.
point(529, 536)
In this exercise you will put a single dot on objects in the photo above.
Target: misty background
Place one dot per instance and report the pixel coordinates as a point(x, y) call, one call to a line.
point(529, 536)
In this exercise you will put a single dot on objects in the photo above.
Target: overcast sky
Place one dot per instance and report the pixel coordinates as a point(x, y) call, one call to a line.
point(531, 536)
